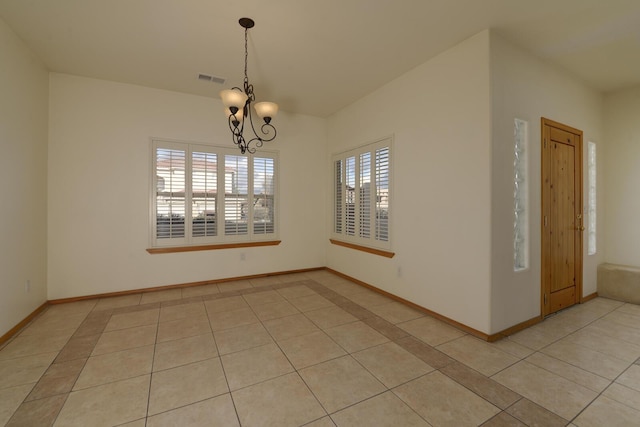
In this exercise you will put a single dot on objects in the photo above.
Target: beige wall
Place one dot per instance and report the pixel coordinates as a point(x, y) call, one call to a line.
point(452, 123)
point(23, 173)
point(526, 88)
point(99, 174)
point(622, 180)
point(440, 216)
point(452, 218)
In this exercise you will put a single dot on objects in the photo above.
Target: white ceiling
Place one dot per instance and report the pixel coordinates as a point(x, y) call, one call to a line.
point(316, 56)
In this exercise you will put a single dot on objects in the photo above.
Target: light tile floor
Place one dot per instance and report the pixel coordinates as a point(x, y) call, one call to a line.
point(313, 349)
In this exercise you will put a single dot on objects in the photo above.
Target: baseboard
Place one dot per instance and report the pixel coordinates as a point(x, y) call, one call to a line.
point(528, 323)
point(431, 313)
point(487, 337)
point(6, 337)
point(180, 285)
point(515, 328)
point(589, 297)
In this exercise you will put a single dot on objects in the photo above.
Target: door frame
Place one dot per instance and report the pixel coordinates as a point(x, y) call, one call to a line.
point(579, 246)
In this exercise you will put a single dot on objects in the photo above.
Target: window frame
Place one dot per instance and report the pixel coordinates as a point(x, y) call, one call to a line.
point(345, 228)
point(221, 239)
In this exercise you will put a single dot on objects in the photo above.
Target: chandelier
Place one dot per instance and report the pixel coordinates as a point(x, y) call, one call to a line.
point(238, 103)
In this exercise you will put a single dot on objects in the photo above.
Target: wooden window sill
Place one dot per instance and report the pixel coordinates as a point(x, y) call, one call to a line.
point(367, 249)
point(173, 249)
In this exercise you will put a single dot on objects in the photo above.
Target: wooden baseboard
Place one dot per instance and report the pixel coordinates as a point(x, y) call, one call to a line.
point(589, 297)
point(431, 313)
point(515, 328)
point(180, 285)
point(6, 337)
point(528, 323)
point(489, 338)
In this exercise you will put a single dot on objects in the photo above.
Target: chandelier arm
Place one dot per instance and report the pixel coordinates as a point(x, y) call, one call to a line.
point(264, 132)
point(236, 133)
point(270, 128)
point(252, 150)
point(241, 143)
point(248, 90)
point(236, 130)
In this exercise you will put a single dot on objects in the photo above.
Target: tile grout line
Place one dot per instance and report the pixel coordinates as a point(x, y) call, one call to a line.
point(66, 394)
point(219, 356)
point(387, 389)
point(362, 311)
point(295, 370)
point(598, 393)
point(601, 393)
point(327, 413)
point(153, 359)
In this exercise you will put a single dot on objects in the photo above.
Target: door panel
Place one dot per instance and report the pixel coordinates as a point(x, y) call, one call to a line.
point(562, 219)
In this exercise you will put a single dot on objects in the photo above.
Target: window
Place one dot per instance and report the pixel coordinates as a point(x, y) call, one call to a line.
point(591, 215)
point(211, 195)
point(520, 197)
point(362, 195)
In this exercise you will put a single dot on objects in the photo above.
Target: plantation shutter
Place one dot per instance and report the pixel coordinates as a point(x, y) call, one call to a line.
point(382, 194)
point(339, 196)
point(350, 179)
point(204, 195)
point(362, 182)
point(263, 195)
point(170, 193)
point(236, 195)
point(364, 187)
point(204, 181)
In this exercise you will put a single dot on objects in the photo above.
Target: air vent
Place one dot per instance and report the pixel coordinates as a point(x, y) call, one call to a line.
point(210, 78)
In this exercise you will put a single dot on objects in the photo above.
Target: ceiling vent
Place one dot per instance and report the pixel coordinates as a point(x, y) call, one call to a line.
point(210, 78)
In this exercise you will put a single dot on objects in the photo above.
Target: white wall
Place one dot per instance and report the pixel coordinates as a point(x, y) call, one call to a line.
point(622, 181)
point(452, 120)
point(440, 215)
point(524, 87)
point(99, 172)
point(23, 173)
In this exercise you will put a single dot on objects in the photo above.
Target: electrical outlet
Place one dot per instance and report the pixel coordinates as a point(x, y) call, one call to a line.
point(399, 272)
point(243, 256)
point(27, 286)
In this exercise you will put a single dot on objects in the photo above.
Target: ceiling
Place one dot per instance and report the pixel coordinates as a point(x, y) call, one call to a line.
point(316, 56)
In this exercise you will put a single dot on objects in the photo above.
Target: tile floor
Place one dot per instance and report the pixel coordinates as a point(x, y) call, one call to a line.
point(313, 349)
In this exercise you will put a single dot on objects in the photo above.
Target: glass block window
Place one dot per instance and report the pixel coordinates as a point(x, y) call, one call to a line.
point(591, 213)
point(520, 197)
point(362, 195)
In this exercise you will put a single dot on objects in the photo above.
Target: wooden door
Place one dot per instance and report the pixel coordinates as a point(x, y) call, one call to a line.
point(562, 222)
